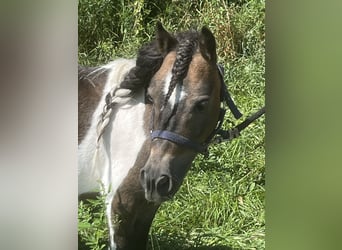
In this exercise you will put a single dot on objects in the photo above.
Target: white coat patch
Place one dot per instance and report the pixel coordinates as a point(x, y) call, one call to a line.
point(105, 165)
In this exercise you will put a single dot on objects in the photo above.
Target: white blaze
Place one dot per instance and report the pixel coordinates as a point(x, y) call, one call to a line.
point(178, 94)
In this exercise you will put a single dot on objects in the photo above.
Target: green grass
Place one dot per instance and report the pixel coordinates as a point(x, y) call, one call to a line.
point(221, 204)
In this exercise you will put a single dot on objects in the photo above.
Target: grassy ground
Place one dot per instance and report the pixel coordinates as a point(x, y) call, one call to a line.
point(221, 204)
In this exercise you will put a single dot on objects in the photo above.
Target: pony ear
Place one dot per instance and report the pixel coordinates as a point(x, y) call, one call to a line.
point(207, 45)
point(165, 40)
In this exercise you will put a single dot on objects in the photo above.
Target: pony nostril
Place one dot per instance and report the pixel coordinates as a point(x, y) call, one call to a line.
point(164, 185)
point(163, 180)
point(142, 177)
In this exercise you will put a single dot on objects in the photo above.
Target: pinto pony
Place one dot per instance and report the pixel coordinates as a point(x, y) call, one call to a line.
point(141, 124)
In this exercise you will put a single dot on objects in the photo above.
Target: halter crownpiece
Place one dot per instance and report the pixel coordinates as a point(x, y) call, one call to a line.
point(225, 96)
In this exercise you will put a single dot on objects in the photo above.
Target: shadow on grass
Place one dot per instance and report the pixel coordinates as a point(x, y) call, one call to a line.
point(82, 245)
point(161, 247)
point(166, 243)
point(213, 248)
point(176, 242)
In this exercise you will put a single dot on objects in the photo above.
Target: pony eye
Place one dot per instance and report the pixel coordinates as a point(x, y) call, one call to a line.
point(148, 99)
point(201, 105)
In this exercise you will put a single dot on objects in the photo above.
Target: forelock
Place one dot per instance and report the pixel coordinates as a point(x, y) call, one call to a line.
point(187, 45)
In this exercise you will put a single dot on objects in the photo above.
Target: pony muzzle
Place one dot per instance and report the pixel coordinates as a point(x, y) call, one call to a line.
point(158, 186)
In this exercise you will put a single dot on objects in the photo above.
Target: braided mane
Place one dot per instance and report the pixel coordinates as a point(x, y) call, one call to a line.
point(186, 48)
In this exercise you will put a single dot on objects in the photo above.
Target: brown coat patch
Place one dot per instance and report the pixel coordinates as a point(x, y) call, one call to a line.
point(89, 95)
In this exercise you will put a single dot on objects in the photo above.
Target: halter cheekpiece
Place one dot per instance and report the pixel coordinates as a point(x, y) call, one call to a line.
point(218, 135)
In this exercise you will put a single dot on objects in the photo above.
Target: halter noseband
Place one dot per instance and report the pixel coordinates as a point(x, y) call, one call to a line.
point(179, 139)
point(188, 143)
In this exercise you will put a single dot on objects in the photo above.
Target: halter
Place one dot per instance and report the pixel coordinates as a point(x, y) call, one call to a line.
point(223, 135)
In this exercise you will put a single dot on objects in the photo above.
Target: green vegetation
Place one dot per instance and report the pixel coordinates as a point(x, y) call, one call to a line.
point(221, 204)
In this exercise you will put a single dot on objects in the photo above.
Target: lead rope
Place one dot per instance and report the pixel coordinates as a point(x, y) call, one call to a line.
point(230, 134)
